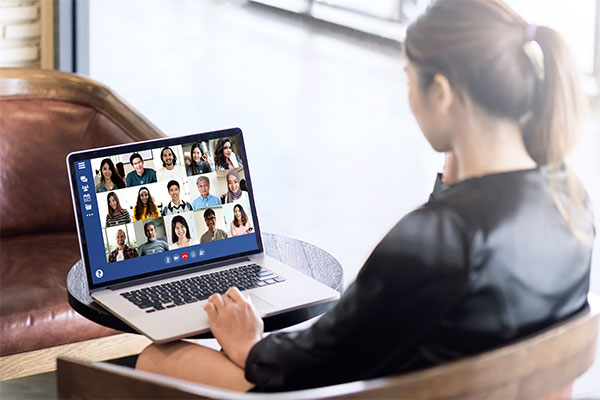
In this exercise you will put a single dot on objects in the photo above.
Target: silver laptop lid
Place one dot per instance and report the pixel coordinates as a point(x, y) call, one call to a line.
point(155, 207)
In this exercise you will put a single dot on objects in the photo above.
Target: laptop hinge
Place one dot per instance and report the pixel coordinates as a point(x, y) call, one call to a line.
point(177, 273)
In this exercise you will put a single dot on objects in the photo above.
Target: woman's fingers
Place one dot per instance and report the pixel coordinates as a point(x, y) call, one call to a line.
point(211, 310)
point(235, 294)
point(217, 300)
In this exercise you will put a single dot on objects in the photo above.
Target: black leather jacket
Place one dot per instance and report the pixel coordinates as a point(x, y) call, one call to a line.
point(484, 262)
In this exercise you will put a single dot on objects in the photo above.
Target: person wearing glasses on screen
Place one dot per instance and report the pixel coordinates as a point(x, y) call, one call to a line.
point(109, 178)
point(225, 158)
point(117, 215)
point(170, 169)
point(502, 251)
point(199, 163)
point(213, 233)
point(139, 175)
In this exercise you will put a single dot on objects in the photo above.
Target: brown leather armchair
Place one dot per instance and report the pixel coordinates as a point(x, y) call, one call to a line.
point(44, 115)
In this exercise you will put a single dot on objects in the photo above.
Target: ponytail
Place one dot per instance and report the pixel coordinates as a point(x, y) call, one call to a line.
point(555, 123)
point(553, 127)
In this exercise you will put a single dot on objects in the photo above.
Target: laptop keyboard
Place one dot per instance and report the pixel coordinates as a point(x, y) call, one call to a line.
point(191, 290)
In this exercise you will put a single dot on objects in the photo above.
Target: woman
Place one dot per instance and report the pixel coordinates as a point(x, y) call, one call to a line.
point(502, 252)
point(199, 164)
point(117, 215)
point(144, 206)
point(109, 178)
point(180, 233)
point(234, 191)
point(225, 158)
point(241, 224)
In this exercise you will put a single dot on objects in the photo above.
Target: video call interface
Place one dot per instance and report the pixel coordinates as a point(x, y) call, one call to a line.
point(172, 200)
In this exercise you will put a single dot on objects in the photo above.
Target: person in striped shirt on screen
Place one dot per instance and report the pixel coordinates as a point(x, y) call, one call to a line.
point(117, 215)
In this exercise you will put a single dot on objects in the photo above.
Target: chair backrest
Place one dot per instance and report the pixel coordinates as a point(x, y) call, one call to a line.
point(533, 367)
point(44, 115)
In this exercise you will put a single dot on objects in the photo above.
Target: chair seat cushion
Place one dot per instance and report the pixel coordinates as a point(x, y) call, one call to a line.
point(34, 310)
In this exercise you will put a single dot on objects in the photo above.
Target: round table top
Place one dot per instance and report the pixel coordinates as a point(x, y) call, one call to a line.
point(302, 256)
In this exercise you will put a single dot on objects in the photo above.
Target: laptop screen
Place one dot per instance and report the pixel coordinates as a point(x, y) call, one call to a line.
point(163, 205)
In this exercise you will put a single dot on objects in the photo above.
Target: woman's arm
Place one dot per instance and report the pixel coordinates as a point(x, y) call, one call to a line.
point(410, 281)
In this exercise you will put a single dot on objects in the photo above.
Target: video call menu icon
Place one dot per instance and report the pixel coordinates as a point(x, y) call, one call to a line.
point(81, 165)
point(99, 273)
point(184, 256)
point(83, 179)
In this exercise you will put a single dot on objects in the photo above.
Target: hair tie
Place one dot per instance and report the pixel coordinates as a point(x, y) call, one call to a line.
point(533, 51)
point(530, 31)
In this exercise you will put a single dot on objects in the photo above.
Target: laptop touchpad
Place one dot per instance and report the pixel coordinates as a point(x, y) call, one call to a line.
point(261, 305)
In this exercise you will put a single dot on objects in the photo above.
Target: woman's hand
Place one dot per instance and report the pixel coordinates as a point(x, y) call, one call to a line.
point(450, 174)
point(235, 323)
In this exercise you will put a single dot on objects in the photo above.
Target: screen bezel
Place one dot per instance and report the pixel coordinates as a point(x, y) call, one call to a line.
point(87, 155)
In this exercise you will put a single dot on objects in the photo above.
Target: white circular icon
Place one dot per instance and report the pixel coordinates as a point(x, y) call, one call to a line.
point(200, 252)
point(99, 273)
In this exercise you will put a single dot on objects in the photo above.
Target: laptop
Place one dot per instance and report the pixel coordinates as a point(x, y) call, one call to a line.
point(165, 223)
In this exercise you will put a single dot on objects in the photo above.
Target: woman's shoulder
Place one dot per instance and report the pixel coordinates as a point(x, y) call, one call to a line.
point(429, 220)
point(507, 195)
point(100, 187)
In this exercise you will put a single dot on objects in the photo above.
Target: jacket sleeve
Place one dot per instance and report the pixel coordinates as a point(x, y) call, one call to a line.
point(412, 278)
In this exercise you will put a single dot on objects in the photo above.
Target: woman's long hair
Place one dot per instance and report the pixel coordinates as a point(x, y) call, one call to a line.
point(182, 221)
point(112, 212)
point(140, 209)
point(193, 168)
point(115, 177)
point(220, 159)
point(487, 51)
point(244, 216)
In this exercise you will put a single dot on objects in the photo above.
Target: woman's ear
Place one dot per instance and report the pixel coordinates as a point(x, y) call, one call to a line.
point(441, 94)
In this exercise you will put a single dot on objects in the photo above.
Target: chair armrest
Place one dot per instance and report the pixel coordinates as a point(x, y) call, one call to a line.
point(533, 367)
point(79, 379)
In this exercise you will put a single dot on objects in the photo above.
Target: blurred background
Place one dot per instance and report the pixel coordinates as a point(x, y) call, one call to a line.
point(317, 86)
